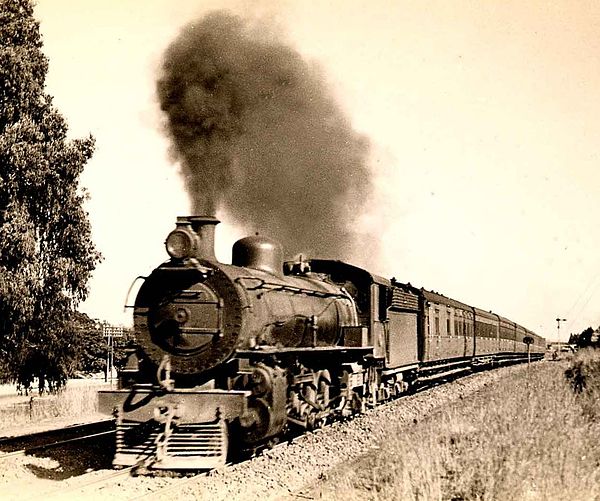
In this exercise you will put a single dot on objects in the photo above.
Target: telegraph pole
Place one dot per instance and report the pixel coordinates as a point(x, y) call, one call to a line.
point(110, 333)
point(558, 321)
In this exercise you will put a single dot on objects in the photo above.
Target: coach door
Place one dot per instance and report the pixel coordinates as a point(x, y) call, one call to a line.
point(402, 339)
point(402, 347)
point(379, 320)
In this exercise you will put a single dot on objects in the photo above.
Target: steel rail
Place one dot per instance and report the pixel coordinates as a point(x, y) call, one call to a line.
point(60, 492)
point(23, 452)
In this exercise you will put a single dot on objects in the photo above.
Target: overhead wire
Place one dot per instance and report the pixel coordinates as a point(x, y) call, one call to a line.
point(588, 292)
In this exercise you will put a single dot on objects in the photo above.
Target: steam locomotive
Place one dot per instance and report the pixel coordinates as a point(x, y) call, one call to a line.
point(230, 357)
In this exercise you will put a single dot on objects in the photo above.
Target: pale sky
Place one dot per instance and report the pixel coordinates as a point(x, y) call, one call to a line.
point(484, 117)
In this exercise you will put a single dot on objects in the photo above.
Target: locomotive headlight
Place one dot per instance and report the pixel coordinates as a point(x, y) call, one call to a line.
point(180, 244)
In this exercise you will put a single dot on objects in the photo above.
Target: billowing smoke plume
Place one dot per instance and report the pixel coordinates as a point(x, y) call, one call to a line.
point(258, 134)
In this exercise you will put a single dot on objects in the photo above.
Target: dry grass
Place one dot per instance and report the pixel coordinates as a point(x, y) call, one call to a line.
point(72, 403)
point(583, 375)
point(529, 437)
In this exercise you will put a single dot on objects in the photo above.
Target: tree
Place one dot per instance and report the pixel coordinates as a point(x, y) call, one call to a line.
point(584, 339)
point(91, 355)
point(93, 347)
point(46, 251)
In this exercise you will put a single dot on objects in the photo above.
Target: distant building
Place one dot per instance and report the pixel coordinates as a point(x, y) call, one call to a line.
point(559, 346)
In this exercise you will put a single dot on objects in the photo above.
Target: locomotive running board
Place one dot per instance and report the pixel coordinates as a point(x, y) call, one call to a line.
point(343, 353)
point(266, 350)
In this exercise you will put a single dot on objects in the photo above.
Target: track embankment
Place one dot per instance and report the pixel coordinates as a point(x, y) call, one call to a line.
point(526, 437)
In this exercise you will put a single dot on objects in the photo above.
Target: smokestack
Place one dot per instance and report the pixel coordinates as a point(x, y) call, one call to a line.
point(204, 227)
point(194, 236)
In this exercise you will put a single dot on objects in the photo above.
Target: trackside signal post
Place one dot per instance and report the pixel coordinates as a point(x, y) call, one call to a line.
point(528, 340)
point(110, 332)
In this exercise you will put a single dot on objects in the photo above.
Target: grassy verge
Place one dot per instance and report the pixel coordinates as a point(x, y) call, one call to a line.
point(529, 437)
point(72, 403)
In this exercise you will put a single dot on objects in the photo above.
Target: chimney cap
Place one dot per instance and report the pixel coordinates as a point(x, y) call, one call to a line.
point(197, 220)
point(203, 220)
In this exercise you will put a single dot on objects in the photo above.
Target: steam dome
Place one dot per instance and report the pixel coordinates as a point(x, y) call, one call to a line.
point(260, 253)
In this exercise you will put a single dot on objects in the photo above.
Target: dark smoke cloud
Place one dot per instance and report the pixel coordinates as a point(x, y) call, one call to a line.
point(258, 134)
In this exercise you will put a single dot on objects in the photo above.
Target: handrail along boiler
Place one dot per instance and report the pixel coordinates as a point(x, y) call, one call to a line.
point(231, 356)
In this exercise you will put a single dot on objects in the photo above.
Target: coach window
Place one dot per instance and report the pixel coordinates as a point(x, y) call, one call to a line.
point(448, 330)
point(379, 302)
point(437, 322)
point(383, 302)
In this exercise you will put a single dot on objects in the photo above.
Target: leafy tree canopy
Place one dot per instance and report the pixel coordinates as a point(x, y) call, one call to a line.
point(46, 251)
point(587, 337)
point(91, 356)
point(93, 347)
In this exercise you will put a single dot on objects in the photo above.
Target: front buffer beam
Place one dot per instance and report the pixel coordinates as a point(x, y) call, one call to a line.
point(179, 429)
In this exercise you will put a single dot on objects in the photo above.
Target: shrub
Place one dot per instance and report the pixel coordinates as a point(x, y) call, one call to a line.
point(584, 371)
point(583, 376)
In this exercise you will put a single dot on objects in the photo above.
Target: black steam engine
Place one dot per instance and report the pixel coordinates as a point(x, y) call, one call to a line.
point(231, 356)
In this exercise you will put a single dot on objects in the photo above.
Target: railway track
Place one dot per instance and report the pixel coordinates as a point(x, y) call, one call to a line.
point(103, 482)
point(287, 441)
point(273, 453)
point(80, 488)
point(27, 444)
